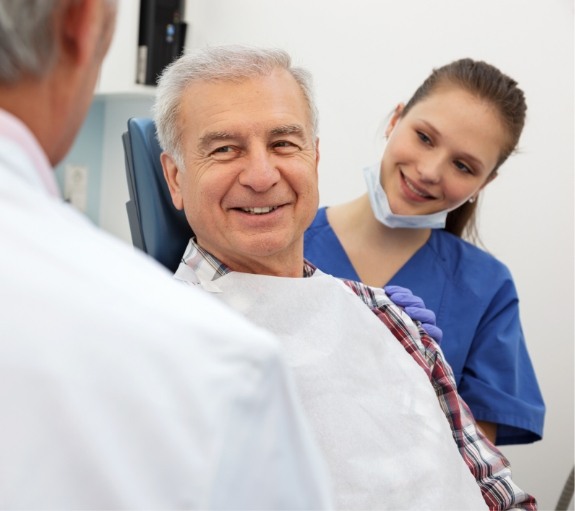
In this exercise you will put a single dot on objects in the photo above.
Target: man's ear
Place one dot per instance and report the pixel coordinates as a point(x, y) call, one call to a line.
point(172, 177)
point(394, 118)
point(80, 28)
point(316, 153)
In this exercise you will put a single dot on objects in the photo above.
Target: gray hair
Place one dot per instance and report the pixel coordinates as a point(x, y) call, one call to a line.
point(27, 42)
point(226, 63)
point(27, 45)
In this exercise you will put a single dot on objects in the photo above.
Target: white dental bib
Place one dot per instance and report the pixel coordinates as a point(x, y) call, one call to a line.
point(375, 414)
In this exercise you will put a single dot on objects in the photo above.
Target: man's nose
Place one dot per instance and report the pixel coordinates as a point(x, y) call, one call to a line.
point(260, 172)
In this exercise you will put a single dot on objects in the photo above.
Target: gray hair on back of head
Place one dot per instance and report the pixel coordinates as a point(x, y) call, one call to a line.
point(222, 63)
point(27, 44)
point(27, 41)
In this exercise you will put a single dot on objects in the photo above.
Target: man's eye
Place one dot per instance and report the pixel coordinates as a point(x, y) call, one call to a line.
point(224, 149)
point(285, 147)
point(226, 152)
point(423, 137)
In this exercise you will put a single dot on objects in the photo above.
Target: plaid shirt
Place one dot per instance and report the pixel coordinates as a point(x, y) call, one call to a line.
point(488, 465)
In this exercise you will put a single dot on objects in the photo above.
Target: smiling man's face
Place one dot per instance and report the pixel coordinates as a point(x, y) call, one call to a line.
point(249, 187)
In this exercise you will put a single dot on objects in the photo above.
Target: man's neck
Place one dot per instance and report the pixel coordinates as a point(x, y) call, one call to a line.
point(278, 265)
point(29, 100)
point(208, 268)
point(272, 266)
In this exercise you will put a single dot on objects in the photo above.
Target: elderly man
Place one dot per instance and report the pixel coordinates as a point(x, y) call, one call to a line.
point(239, 129)
point(119, 388)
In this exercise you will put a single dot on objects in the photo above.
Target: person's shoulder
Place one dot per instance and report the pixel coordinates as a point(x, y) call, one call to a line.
point(99, 288)
point(464, 257)
point(190, 314)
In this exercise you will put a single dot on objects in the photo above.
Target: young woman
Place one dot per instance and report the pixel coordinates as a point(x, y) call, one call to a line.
point(443, 147)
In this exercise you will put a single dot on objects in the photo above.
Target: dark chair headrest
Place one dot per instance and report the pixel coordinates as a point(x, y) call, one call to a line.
point(157, 227)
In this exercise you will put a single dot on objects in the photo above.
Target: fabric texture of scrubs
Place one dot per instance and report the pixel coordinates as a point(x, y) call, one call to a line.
point(122, 389)
point(476, 303)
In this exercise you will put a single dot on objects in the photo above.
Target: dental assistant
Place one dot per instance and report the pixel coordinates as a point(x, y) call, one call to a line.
point(444, 146)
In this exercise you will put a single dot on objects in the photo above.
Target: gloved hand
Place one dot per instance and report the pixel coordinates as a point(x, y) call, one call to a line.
point(415, 309)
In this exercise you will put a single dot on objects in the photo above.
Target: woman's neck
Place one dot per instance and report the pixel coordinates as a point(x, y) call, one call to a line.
point(376, 251)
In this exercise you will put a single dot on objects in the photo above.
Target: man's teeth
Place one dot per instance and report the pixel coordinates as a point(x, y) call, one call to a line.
point(259, 211)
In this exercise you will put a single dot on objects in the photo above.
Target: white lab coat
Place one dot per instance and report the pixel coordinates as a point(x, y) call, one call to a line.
point(120, 388)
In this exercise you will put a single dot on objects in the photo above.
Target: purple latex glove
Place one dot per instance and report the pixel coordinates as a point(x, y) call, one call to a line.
point(415, 309)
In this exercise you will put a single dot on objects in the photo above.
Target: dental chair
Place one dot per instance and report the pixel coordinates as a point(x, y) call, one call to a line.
point(156, 226)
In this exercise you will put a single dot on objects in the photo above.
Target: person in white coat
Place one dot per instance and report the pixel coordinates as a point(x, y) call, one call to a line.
point(119, 387)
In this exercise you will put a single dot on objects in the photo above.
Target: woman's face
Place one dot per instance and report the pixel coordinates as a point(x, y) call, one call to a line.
point(441, 153)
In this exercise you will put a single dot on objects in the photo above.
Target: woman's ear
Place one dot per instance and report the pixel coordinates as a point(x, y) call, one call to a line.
point(394, 118)
point(490, 178)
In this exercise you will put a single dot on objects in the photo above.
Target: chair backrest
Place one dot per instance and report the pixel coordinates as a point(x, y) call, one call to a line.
point(157, 227)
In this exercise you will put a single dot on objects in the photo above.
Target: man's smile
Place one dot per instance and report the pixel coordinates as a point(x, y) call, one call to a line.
point(259, 211)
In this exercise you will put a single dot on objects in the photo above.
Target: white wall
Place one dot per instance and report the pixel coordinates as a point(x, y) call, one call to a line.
point(367, 55)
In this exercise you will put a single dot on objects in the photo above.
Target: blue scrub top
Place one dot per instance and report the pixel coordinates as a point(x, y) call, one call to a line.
point(476, 303)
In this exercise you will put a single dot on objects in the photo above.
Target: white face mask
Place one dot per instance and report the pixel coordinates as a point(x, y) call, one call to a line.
point(382, 210)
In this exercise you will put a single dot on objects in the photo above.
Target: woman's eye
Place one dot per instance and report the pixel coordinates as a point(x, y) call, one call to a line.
point(424, 138)
point(464, 168)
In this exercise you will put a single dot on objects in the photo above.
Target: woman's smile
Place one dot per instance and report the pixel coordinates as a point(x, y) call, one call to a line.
point(413, 192)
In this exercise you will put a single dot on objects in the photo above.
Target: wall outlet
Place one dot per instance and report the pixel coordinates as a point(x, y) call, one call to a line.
point(76, 186)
